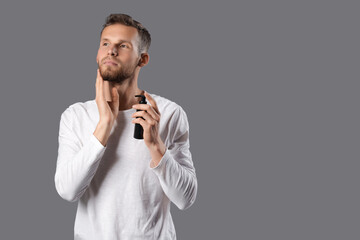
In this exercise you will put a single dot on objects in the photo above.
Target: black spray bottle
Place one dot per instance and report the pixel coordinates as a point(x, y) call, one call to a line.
point(138, 131)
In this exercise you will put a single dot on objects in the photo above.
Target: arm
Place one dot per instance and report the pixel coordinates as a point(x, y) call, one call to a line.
point(77, 161)
point(172, 165)
point(176, 171)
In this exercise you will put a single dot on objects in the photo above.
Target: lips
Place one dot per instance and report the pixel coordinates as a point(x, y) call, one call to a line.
point(110, 63)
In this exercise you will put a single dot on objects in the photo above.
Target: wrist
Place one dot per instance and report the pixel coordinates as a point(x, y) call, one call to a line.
point(157, 152)
point(105, 123)
point(102, 132)
point(158, 149)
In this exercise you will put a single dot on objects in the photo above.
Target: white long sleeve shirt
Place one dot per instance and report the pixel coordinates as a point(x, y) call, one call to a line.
point(119, 195)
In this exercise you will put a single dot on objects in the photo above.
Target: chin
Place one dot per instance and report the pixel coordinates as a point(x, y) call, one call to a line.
point(108, 77)
point(107, 74)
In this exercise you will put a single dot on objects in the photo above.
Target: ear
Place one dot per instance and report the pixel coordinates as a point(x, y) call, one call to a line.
point(144, 59)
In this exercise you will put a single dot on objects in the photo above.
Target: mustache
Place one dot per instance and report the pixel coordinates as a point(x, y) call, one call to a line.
point(110, 59)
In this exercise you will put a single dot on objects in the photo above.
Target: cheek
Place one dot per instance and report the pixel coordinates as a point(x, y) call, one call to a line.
point(97, 58)
point(100, 55)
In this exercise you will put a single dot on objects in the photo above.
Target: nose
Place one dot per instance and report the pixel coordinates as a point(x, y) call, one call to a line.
point(112, 51)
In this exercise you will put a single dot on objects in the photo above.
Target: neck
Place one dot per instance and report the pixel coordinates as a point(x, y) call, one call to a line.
point(127, 91)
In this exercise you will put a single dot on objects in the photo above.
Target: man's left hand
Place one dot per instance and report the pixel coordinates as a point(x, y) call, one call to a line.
point(150, 124)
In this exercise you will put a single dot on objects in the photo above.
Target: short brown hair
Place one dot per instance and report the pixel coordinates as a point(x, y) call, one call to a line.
point(145, 38)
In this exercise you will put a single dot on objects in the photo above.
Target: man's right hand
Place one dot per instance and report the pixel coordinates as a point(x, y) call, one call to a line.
point(108, 111)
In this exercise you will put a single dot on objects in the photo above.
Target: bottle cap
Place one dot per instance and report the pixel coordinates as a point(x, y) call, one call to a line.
point(143, 99)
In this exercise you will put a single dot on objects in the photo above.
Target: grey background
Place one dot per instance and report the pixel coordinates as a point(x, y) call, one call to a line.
point(270, 89)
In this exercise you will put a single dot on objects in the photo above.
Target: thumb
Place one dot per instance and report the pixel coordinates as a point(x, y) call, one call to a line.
point(114, 98)
point(115, 93)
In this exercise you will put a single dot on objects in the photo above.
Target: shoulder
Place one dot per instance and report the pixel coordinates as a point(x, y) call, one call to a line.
point(80, 109)
point(166, 106)
point(171, 112)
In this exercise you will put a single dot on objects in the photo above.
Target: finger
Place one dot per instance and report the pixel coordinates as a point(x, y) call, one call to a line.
point(146, 116)
point(149, 109)
point(152, 102)
point(97, 84)
point(114, 104)
point(142, 122)
point(115, 94)
point(100, 84)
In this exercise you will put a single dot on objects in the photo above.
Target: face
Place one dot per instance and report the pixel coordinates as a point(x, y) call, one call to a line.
point(118, 55)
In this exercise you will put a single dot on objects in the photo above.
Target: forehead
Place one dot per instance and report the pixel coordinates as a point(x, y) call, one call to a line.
point(118, 32)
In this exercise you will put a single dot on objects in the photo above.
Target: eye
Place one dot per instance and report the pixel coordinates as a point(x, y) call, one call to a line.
point(123, 46)
point(105, 44)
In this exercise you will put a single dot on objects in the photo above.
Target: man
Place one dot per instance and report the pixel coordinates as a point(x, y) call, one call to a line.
point(124, 186)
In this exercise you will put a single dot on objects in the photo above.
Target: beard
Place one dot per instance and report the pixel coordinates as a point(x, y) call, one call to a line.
point(117, 74)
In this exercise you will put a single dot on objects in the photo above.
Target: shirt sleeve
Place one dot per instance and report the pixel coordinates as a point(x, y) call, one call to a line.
point(176, 170)
point(77, 159)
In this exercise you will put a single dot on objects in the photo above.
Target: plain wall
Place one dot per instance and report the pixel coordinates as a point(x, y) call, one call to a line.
point(271, 90)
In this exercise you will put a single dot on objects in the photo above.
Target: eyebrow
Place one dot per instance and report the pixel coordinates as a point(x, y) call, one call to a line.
point(121, 41)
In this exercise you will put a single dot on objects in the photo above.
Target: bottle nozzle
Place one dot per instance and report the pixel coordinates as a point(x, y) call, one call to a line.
point(143, 99)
